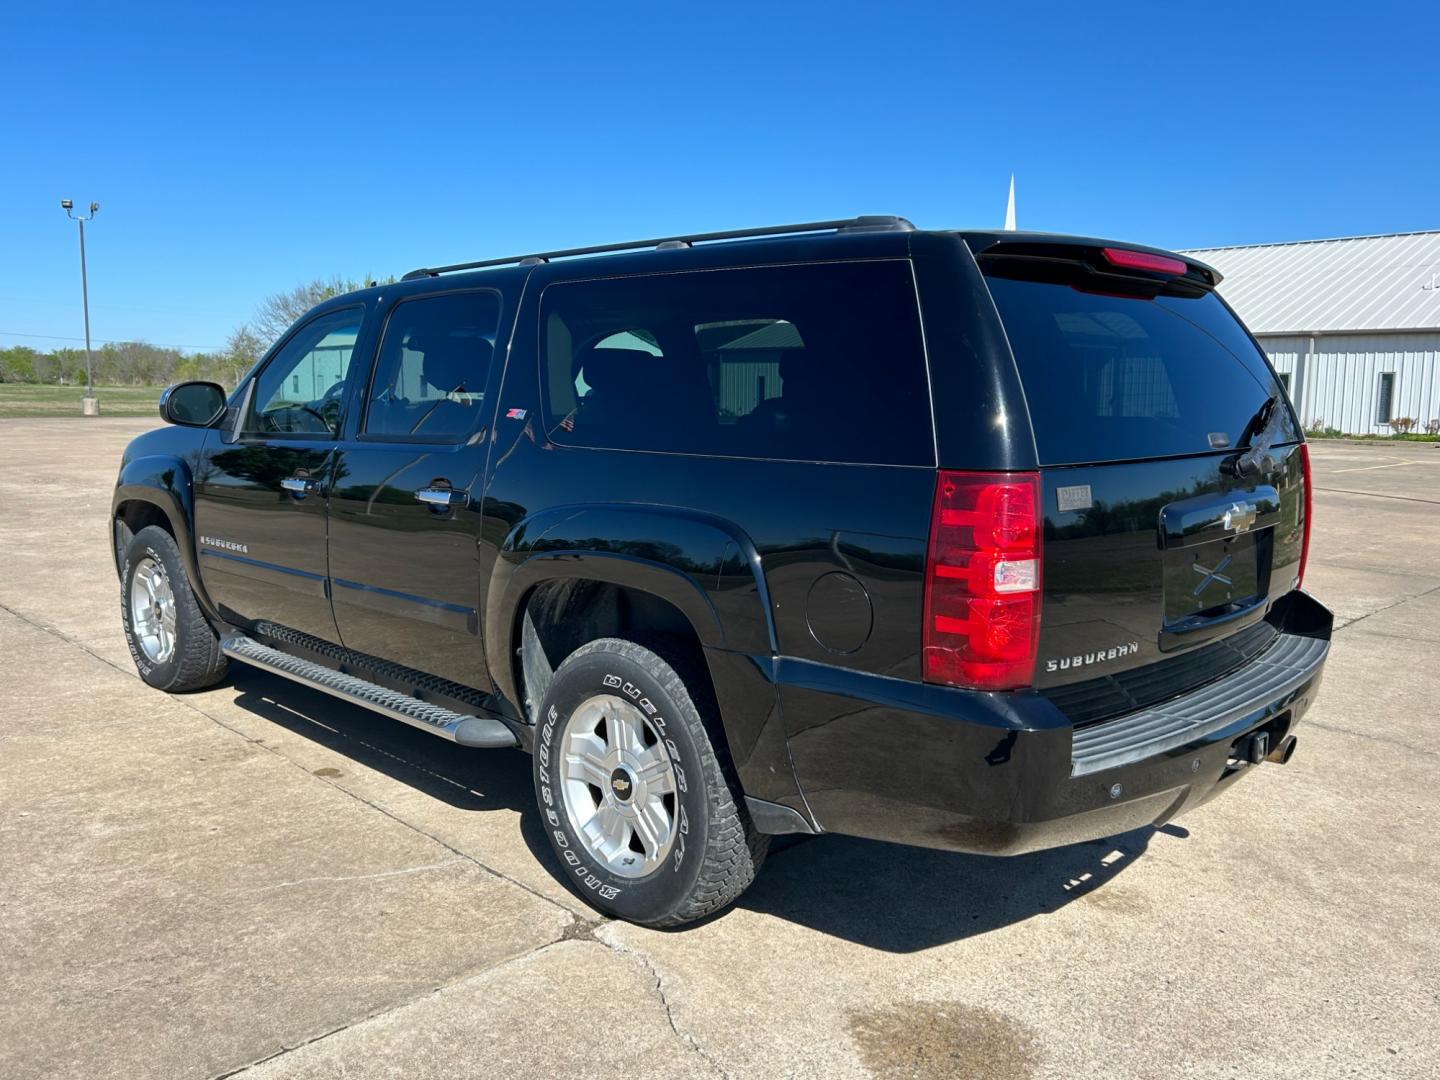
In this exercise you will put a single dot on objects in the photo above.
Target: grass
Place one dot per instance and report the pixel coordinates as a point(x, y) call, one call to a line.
point(1333, 433)
point(23, 399)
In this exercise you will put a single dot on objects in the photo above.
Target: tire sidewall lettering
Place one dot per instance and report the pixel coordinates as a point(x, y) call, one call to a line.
point(143, 664)
point(558, 833)
point(635, 694)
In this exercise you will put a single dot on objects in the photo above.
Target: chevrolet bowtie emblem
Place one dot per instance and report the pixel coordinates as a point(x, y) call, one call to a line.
point(1240, 517)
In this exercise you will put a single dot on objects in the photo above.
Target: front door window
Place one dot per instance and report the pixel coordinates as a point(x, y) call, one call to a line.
point(299, 391)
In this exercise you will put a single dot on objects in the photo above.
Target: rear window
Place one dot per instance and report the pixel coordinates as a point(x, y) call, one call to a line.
point(821, 362)
point(1113, 377)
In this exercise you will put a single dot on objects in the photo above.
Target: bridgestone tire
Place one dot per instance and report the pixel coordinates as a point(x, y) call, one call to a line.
point(196, 661)
point(716, 851)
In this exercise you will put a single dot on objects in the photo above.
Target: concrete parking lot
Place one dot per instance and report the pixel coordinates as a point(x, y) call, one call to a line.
point(262, 881)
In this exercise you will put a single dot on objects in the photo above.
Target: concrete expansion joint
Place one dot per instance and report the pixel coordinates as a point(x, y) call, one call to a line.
point(60, 634)
point(664, 999)
point(288, 1050)
point(460, 855)
point(1388, 607)
point(578, 929)
point(1335, 729)
point(581, 929)
point(1376, 495)
point(50, 628)
point(384, 1010)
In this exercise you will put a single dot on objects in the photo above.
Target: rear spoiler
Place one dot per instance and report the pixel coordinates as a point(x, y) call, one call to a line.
point(1093, 258)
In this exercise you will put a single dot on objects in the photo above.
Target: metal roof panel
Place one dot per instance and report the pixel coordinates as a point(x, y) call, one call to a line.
point(1387, 282)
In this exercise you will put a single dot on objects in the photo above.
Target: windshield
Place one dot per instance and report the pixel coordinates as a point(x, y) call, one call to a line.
point(1113, 377)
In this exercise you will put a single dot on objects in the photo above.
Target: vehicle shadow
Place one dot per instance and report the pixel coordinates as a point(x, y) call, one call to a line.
point(464, 778)
point(904, 899)
point(884, 896)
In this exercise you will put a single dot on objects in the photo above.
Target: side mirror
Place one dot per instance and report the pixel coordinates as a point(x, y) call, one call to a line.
point(193, 404)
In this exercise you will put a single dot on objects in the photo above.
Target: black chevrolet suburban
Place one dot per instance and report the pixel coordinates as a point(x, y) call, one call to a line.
point(987, 541)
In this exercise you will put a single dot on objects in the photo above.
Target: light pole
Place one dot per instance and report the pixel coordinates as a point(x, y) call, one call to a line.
point(91, 406)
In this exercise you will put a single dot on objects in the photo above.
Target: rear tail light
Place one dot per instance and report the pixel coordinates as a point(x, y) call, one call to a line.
point(1144, 260)
point(1305, 508)
point(982, 581)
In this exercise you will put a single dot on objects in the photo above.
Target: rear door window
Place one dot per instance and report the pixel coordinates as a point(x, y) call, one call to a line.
point(820, 362)
point(429, 381)
point(1114, 377)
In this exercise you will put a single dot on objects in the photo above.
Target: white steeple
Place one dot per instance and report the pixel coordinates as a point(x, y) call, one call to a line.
point(1010, 207)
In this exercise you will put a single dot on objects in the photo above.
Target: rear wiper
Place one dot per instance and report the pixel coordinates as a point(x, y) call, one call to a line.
point(1262, 431)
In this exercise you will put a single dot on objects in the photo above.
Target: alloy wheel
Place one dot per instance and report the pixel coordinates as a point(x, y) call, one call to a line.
point(619, 785)
point(152, 610)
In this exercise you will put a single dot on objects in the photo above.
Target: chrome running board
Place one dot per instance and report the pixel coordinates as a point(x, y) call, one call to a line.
point(489, 732)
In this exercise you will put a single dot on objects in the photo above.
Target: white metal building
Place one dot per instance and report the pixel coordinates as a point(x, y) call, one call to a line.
point(1352, 325)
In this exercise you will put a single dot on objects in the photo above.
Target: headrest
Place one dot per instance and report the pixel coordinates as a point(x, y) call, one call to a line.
point(617, 370)
point(454, 364)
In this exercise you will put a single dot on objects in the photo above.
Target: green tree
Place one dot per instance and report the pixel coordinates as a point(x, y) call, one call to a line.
point(242, 350)
point(279, 311)
point(138, 363)
point(47, 368)
point(17, 364)
point(70, 365)
point(187, 369)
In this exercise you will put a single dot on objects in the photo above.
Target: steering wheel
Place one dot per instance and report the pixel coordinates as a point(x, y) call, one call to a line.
point(271, 418)
point(330, 406)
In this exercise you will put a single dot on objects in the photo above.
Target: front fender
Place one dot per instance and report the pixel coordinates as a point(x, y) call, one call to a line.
point(165, 483)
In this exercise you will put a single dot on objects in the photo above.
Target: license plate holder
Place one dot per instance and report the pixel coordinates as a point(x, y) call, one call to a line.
point(1212, 580)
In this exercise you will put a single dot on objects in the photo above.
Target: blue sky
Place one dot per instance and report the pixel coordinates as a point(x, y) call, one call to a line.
point(240, 153)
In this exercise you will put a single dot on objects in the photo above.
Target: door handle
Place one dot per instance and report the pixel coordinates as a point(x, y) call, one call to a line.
point(300, 486)
point(438, 498)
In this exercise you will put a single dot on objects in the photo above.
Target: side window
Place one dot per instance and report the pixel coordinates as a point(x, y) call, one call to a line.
point(639, 341)
point(299, 391)
point(822, 362)
point(429, 382)
point(750, 357)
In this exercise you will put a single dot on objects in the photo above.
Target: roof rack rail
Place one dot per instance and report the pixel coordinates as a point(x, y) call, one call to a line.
point(873, 223)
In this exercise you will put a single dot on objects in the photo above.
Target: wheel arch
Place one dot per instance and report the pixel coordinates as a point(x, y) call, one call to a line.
point(698, 568)
point(559, 614)
point(703, 566)
point(158, 490)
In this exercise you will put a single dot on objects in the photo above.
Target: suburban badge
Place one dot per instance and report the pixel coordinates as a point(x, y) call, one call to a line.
point(1065, 663)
